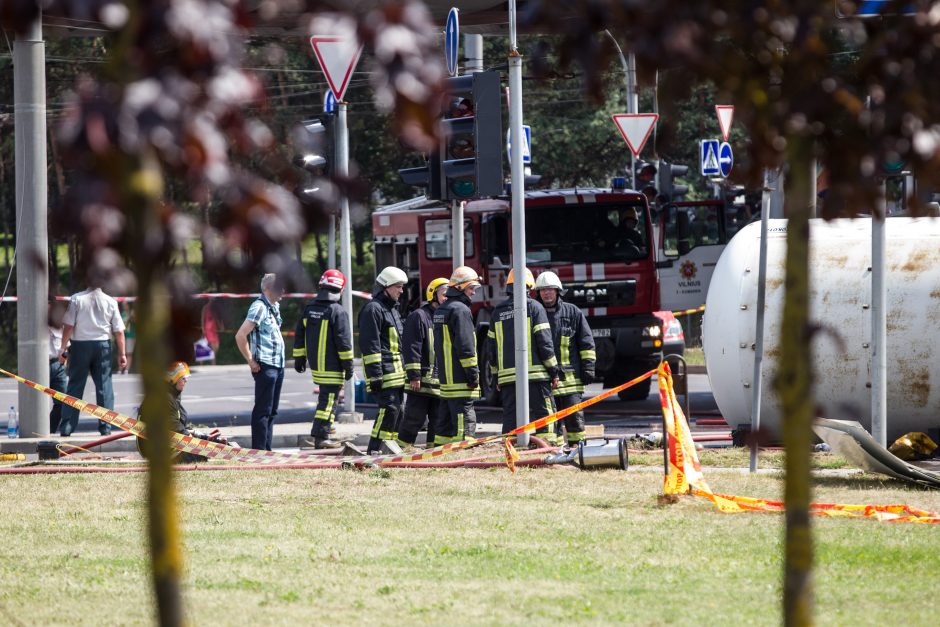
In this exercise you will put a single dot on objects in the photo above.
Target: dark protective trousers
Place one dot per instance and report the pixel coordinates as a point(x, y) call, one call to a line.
point(574, 424)
point(58, 382)
point(267, 394)
point(326, 411)
point(458, 421)
point(540, 405)
point(387, 422)
point(88, 357)
point(419, 408)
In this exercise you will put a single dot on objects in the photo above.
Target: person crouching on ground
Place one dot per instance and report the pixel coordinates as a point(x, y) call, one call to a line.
point(176, 377)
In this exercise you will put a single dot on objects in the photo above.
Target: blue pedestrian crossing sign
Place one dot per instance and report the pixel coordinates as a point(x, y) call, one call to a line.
point(710, 166)
point(451, 41)
point(526, 149)
point(725, 158)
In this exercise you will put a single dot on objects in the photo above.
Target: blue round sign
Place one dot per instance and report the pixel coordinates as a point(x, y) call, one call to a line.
point(451, 40)
point(329, 102)
point(725, 158)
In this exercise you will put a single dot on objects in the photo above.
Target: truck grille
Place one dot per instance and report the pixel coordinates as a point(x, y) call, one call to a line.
point(602, 293)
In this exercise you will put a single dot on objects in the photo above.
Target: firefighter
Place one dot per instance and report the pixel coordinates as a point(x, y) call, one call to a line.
point(543, 366)
point(424, 390)
point(455, 352)
point(574, 348)
point(323, 339)
point(380, 331)
point(176, 377)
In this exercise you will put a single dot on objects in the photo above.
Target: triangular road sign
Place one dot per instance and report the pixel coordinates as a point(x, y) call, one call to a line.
point(338, 57)
point(635, 128)
point(725, 115)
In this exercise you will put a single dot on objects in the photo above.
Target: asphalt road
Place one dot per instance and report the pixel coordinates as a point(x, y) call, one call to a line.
point(224, 395)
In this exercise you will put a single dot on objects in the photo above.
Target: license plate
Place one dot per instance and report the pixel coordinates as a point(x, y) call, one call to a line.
point(601, 332)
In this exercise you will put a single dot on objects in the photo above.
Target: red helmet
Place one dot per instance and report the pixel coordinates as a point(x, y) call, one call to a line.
point(334, 279)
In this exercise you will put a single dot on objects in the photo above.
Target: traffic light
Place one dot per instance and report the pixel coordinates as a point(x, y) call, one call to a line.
point(316, 145)
point(666, 181)
point(471, 153)
point(428, 175)
point(644, 174)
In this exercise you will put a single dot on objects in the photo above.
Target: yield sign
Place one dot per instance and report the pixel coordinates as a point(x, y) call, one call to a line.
point(338, 57)
point(725, 115)
point(635, 128)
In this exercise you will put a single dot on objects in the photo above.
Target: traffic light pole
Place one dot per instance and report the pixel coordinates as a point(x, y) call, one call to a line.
point(342, 170)
point(457, 239)
point(520, 326)
point(32, 243)
point(331, 244)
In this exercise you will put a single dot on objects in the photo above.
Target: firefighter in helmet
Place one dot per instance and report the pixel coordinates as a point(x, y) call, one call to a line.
point(424, 390)
point(380, 331)
point(323, 339)
point(176, 377)
point(574, 348)
point(543, 365)
point(455, 352)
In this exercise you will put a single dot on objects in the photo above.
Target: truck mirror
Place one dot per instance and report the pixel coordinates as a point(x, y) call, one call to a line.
point(683, 230)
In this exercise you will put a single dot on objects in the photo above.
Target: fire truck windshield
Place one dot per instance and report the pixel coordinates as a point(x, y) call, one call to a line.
point(586, 233)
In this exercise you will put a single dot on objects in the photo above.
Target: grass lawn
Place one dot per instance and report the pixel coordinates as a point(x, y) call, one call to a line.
point(461, 547)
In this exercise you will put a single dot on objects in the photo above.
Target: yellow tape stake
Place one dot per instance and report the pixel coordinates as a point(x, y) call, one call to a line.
point(685, 474)
point(215, 450)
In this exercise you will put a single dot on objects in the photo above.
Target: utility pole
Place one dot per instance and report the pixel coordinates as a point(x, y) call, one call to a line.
point(32, 244)
point(633, 101)
point(342, 170)
point(517, 176)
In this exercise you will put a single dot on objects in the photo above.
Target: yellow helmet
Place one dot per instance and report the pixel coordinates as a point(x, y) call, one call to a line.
point(177, 370)
point(432, 287)
point(529, 279)
point(463, 277)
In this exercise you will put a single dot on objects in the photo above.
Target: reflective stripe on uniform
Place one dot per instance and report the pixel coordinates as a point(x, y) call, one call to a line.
point(544, 326)
point(345, 355)
point(321, 345)
point(327, 413)
point(469, 362)
point(448, 358)
point(374, 358)
point(589, 354)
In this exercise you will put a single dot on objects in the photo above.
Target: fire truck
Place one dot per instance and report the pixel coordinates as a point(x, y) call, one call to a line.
point(617, 273)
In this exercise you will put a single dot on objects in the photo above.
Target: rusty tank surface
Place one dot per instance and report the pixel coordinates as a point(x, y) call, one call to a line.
point(840, 305)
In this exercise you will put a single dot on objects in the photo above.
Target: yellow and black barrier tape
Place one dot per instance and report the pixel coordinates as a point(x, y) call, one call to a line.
point(217, 450)
point(685, 475)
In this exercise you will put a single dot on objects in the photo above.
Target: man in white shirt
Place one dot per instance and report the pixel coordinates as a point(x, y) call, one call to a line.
point(91, 318)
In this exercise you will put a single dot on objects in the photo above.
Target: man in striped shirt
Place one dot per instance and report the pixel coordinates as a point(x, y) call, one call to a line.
point(260, 342)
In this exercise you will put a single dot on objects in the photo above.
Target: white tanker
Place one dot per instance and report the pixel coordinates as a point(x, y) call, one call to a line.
point(840, 302)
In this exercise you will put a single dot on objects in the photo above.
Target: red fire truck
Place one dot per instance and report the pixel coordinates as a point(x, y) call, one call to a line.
point(577, 233)
point(617, 273)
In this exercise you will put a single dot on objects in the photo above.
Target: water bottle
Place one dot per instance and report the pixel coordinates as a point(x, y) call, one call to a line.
point(13, 423)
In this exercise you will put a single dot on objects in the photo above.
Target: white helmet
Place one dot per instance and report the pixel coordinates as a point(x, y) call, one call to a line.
point(548, 279)
point(391, 276)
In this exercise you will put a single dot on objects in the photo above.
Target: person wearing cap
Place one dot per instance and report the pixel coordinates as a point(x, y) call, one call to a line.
point(423, 402)
point(323, 339)
point(543, 365)
point(260, 342)
point(455, 353)
point(380, 331)
point(629, 236)
point(176, 377)
point(574, 348)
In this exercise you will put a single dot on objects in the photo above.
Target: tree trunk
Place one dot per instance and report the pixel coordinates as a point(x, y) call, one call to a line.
point(794, 388)
point(141, 193)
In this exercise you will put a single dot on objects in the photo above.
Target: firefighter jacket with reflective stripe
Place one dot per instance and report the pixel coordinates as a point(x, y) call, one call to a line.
point(418, 350)
point(324, 337)
point(574, 346)
point(543, 365)
point(380, 331)
point(455, 347)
